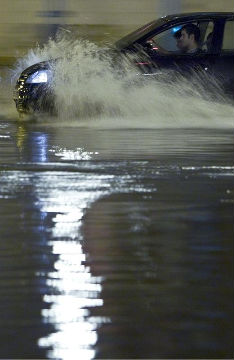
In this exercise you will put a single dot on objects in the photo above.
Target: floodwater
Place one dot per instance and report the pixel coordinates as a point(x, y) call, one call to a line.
point(116, 232)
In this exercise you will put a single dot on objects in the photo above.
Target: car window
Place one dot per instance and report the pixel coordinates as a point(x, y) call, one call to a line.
point(228, 36)
point(207, 36)
point(166, 42)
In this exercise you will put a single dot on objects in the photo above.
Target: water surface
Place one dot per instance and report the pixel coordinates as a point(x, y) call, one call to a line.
point(115, 242)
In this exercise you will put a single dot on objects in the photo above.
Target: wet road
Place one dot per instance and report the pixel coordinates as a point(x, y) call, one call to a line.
point(115, 243)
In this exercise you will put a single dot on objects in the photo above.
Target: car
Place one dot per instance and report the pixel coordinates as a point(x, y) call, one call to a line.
point(153, 50)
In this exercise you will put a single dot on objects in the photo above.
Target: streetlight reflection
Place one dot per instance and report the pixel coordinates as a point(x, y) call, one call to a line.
point(77, 290)
point(73, 290)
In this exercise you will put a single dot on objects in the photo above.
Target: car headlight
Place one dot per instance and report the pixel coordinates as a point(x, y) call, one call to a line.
point(40, 76)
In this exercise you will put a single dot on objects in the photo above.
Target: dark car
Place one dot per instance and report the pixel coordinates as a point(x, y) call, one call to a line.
point(153, 48)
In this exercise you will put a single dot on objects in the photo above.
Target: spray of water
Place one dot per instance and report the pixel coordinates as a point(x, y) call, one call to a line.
point(90, 92)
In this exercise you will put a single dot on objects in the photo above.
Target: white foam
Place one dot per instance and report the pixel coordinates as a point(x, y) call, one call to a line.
point(89, 92)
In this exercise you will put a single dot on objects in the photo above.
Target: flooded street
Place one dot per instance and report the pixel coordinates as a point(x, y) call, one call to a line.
point(116, 229)
point(115, 243)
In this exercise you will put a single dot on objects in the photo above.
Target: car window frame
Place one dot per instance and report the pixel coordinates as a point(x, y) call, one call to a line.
point(182, 24)
point(217, 40)
point(227, 51)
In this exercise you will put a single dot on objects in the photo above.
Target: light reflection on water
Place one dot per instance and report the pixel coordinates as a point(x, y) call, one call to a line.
point(153, 234)
point(72, 287)
point(75, 288)
point(78, 154)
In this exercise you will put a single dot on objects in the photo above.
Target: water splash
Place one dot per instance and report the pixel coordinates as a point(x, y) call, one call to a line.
point(89, 92)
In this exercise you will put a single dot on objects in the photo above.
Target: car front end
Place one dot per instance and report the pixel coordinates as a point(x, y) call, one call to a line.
point(33, 91)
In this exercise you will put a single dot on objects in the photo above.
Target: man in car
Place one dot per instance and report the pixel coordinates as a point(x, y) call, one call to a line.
point(177, 36)
point(187, 41)
point(188, 38)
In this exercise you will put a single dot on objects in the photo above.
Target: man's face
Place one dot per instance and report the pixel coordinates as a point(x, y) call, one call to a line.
point(179, 44)
point(185, 40)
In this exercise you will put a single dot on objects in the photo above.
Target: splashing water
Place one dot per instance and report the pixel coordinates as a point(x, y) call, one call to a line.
point(89, 92)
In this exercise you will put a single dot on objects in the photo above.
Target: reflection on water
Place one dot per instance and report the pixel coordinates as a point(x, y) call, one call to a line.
point(115, 243)
point(74, 335)
point(77, 154)
point(73, 288)
point(76, 288)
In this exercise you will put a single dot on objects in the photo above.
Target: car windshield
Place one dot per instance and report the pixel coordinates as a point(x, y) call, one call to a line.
point(138, 34)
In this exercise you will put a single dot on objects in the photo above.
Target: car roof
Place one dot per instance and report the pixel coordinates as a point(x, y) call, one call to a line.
point(197, 15)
